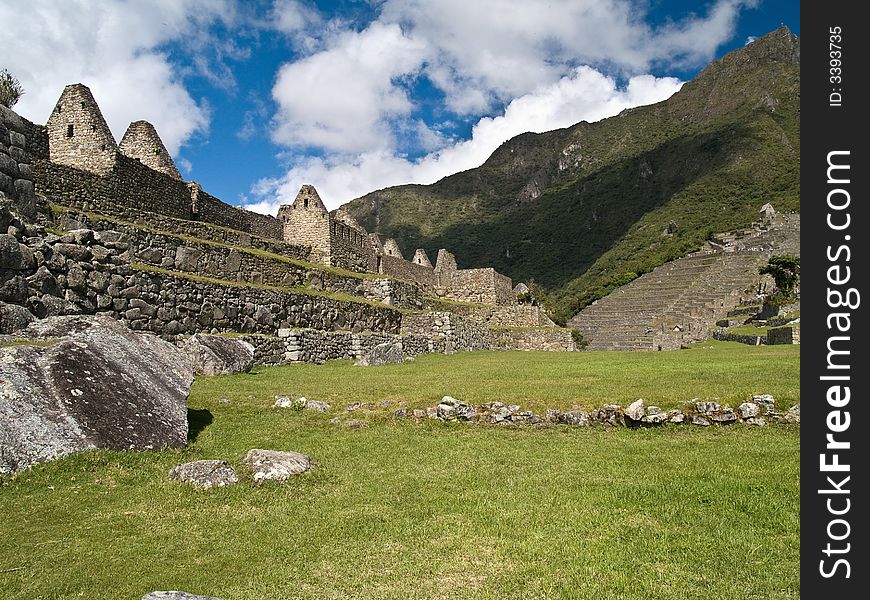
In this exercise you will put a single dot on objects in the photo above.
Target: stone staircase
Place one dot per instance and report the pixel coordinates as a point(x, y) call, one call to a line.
point(680, 301)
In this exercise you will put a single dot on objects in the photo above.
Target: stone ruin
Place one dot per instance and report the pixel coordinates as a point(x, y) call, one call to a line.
point(96, 227)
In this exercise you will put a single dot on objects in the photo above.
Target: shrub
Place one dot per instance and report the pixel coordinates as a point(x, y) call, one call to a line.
point(786, 271)
point(10, 89)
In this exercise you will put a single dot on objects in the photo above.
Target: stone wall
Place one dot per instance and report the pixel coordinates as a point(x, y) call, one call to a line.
point(217, 260)
point(349, 248)
point(75, 219)
point(553, 339)
point(494, 316)
point(133, 188)
point(316, 346)
point(519, 316)
point(129, 185)
point(458, 333)
point(16, 176)
point(398, 267)
point(784, 335)
point(390, 291)
point(774, 336)
point(90, 272)
point(484, 286)
point(742, 338)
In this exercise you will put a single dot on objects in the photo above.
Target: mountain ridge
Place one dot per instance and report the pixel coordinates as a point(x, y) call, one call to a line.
point(579, 210)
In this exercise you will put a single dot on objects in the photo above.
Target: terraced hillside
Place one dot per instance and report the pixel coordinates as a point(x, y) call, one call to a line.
point(681, 300)
point(578, 209)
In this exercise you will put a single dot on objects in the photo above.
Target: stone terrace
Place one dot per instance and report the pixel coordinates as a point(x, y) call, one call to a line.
point(680, 301)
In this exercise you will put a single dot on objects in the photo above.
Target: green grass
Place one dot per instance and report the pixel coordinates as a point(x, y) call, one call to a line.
point(403, 509)
point(724, 371)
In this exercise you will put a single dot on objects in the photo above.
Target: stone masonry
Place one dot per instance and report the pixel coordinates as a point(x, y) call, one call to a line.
point(137, 243)
point(16, 176)
point(78, 135)
point(141, 142)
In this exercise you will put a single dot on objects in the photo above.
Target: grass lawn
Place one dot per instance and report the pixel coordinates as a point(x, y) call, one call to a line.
point(402, 509)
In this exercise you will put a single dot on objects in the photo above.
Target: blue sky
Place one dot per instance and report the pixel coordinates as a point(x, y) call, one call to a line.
point(255, 98)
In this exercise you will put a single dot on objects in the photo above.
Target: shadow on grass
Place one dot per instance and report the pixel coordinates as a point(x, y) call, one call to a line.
point(197, 421)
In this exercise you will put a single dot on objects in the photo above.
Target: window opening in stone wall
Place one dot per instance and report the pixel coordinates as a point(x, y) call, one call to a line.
point(93, 127)
point(59, 107)
point(305, 203)
point(103, 147)
point(83, 104)
point(69, 131)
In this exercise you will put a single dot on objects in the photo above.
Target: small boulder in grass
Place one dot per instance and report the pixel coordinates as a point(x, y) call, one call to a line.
point(317, 406)
point(276, 465)
point(287, 402)
point(205, 474)
point(748, 410)
point(635, 411)
point(766, 402)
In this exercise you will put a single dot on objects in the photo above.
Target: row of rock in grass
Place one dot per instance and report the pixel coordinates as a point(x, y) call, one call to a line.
point(758, 411)
point(264, 465)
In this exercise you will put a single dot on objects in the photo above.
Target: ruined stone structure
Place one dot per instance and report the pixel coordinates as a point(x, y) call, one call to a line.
point(84, 168)
point(130, 239)
point(78, 135)
point(141, 142)
point(333, 241)
point(338, 240)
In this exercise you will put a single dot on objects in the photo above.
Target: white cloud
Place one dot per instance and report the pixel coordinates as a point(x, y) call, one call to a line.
point(584, 94)
point(114, 48)
point(500, 49)
point(350, 98)
point(292, 16)
point(341, 99)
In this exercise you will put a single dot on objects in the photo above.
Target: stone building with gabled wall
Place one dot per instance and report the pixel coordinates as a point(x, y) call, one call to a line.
point(141, 142)
point(86, 169)
point(338, 240)
point(78, 135)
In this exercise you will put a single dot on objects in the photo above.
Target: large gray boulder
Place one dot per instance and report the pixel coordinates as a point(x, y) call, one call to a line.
point(218, 355)
point(84, 382)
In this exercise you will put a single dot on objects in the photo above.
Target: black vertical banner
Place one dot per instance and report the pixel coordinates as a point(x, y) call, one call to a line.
point(835, 263)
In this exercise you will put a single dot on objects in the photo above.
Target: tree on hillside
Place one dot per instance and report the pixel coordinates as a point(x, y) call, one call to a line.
point(786, 271)
point(10, 89)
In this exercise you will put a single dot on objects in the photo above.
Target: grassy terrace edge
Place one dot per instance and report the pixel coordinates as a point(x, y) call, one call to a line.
point(142, 267)
point(58, 209)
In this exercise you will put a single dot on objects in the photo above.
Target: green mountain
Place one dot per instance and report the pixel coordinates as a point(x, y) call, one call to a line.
point(581, 210)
